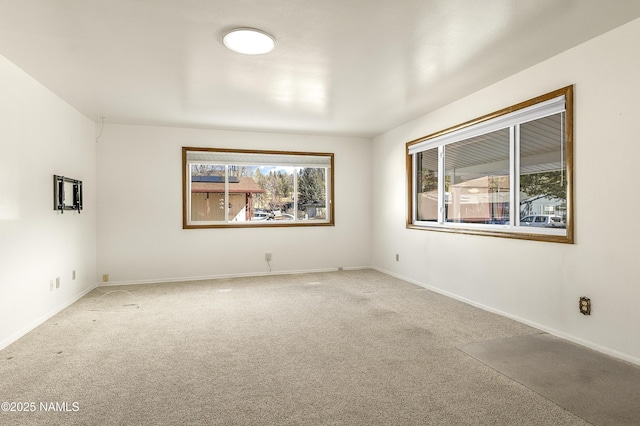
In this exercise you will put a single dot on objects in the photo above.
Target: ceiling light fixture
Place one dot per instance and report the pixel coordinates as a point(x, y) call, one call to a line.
point(249, 41)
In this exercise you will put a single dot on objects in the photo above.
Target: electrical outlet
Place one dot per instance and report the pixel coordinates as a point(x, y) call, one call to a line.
point(585, 306)
point(73, 274)
point(105, 278)
point(267, 257)
point(50, 285)
point(57, 282)
point(397, 257)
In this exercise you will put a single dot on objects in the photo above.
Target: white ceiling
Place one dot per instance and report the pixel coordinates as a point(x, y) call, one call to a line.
point(348, 67)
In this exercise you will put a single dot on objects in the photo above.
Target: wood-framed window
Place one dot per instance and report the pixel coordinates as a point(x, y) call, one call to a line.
point(248, 188)
point(506, 174)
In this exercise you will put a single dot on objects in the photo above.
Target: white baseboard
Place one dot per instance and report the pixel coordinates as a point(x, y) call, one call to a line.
point(225, 276)
point(552, 331)
point(24, 330)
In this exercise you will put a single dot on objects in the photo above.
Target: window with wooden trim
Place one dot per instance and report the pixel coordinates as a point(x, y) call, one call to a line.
point(506, 174)
point(244, 188)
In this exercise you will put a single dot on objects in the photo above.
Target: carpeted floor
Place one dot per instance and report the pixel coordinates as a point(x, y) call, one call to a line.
point(340, 348)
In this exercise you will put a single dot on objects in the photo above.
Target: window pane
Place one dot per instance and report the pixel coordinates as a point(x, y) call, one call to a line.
point(543, 184)
point(246, 197)
point(207, 192)
point(246, 194)
point(427, 185)
point(312, 194)
point(275, 201)
point(477, 179)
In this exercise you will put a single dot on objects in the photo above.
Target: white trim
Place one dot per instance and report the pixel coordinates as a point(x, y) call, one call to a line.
point(41, 320)
point(225, 276)
point(226, 194)
point(533, 112)
point(530, 230)
point(442, 193)
point(414, 183)
point(514, 174)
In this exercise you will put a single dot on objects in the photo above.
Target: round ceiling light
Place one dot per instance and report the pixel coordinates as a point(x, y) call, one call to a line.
point(249, 41)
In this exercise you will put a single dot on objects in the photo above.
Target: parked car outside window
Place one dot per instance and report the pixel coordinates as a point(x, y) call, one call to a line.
point(543, 221)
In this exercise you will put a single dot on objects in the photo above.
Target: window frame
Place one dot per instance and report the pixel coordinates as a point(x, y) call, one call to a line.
point(186, 189)
point(509, 230)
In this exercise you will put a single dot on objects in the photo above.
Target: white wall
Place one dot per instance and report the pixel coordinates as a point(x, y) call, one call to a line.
point(40, 136)
point(536, 282)
point(140, 235)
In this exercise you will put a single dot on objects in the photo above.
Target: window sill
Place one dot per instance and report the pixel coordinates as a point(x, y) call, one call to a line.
point(256, 224)
point(557, 235)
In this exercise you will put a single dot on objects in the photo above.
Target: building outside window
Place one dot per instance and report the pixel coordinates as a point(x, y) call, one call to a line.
point(506, 174)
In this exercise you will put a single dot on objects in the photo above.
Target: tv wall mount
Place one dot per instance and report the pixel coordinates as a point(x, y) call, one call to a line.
point(67, 194)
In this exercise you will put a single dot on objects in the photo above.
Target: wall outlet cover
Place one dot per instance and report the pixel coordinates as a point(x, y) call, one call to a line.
point(585, 306)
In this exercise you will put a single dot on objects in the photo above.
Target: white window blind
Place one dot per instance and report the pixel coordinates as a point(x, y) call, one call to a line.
point(534, 112)
point(259, 159)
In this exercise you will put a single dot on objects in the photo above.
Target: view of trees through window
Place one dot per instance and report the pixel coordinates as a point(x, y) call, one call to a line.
point(258, 193)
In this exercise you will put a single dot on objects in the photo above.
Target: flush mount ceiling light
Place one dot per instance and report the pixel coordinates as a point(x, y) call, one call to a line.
point(249, 41)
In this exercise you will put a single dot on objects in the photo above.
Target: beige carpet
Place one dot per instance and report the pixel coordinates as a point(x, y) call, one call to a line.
point(342, 348)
